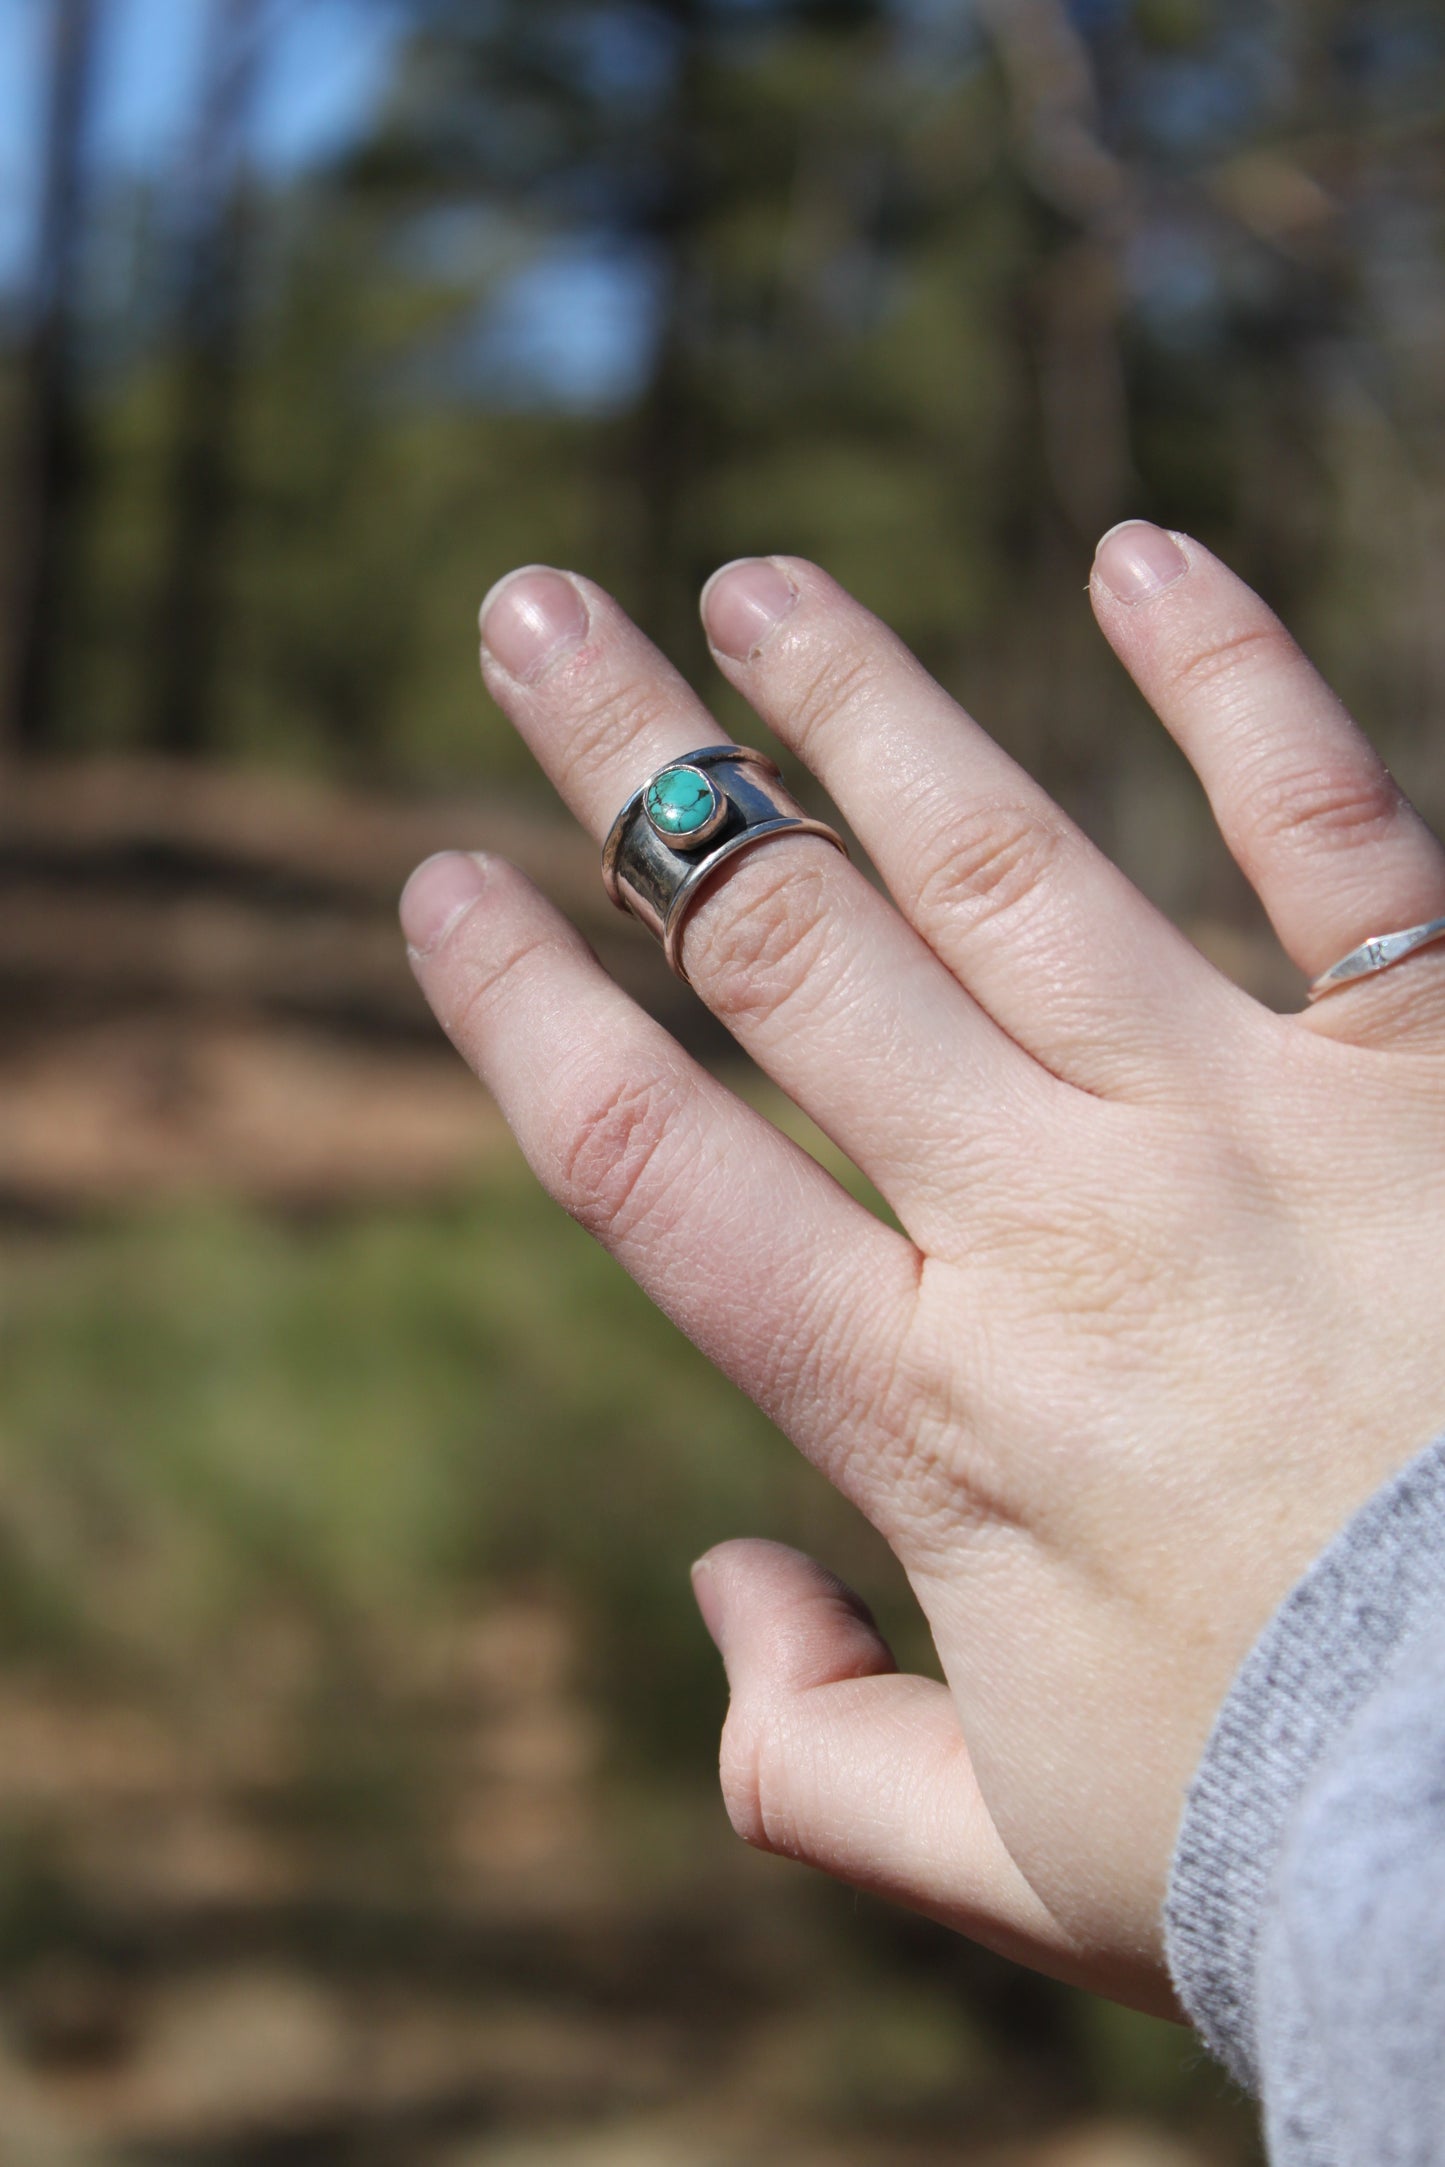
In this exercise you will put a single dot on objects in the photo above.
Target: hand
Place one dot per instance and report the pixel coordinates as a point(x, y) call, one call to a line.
point(1168, 1306)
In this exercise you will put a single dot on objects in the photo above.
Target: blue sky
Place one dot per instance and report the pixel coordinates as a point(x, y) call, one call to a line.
point(574, 328)
point(326, 64)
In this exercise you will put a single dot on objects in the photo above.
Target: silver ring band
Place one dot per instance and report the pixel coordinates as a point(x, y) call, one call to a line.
point(687, 820)
point(1377, 954)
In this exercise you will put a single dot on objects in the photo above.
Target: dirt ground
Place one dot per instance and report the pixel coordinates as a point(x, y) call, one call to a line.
point(203, 986)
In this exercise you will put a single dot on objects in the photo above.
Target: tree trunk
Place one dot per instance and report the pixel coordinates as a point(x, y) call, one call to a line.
point(192, 607)
point(47, 481)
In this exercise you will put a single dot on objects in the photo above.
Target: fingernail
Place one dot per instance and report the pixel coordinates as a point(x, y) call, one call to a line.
point(742, 602)
point(531, 618)
point(435, 897)
point(704, 1588)
point(1136, 560)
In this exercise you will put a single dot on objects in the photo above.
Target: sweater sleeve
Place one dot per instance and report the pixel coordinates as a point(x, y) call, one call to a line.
point(1305, 1918)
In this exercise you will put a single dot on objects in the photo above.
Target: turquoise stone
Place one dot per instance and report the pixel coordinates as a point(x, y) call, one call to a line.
point(679, 801)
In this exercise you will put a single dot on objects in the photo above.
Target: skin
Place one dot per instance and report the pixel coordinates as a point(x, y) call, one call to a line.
point(1168, 1304)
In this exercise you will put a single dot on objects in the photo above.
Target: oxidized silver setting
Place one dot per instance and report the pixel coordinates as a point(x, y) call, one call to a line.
point(1377, 954)
point(659, 878)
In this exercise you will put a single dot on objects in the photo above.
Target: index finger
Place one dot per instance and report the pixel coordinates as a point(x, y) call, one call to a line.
point(794, 1289)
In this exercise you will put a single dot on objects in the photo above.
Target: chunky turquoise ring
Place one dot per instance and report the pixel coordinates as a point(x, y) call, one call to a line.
point(686, 821)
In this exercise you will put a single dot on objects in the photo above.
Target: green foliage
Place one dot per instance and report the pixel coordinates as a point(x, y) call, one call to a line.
point(207, 1412)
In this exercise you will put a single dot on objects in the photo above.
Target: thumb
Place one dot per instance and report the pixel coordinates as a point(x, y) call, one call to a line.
point(831, 1756)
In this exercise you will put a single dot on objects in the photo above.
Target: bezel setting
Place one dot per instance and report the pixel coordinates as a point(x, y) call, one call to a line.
point(686, 839)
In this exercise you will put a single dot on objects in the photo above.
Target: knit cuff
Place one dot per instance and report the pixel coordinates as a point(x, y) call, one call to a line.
point(1322, 1654)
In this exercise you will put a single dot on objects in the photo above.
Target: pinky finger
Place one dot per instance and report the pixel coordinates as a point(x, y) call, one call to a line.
point(1330, 844)
point(833, 1757)
point(785, 1282)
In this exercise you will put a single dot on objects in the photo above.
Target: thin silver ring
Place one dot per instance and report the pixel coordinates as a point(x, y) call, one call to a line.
point(658, 876)
point(1377, 954)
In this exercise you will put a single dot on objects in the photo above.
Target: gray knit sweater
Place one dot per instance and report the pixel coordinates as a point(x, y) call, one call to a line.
point(1306, 1908)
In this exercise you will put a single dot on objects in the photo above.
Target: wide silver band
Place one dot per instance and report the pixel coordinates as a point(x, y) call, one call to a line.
point(659, 878)
point(1377, 954)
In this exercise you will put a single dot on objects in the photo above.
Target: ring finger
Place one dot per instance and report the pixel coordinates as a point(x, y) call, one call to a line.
point(809, 966)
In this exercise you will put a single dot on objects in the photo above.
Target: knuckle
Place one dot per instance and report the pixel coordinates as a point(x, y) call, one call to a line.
point(1242, 651)
point(1340, 804)
point(847, 679)
point(612, 719)
point(755, 946)
point(988, 861)
point(752, 1769)
point(608, 1174)
point(482, 983)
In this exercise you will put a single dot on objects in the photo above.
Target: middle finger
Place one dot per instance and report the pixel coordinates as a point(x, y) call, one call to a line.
point(813, 970)
point(1047, 934)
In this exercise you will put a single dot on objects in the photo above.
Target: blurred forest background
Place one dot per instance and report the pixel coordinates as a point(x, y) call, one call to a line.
point(356, 1731)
